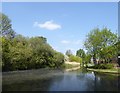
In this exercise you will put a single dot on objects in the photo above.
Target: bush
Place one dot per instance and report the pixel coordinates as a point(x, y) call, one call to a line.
point(102, 66)
point(68, 66)
point(34, 53)
point(75, 58)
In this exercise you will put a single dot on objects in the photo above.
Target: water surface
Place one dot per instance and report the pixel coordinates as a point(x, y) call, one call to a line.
point(80, 80)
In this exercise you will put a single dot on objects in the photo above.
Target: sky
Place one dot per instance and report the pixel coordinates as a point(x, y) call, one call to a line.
point(65, 24)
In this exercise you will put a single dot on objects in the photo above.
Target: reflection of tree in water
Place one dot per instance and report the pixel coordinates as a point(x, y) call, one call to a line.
point(29, 85)
point(99, 82)
point(105, 82)
point(87, 79)
point(38, 84)
point(75, 80)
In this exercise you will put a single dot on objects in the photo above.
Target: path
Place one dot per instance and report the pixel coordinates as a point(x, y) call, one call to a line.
point(73, 63)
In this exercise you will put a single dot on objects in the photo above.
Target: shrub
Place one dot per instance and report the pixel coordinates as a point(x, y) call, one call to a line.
point(102, 66)
point(75, 58)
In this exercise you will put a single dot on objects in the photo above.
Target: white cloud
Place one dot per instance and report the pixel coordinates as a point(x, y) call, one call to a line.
point(65, 42)
point(49, 25)
point(77, 42)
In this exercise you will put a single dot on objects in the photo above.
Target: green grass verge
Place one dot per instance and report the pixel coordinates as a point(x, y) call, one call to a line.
point(68, 66)
point(114, 70)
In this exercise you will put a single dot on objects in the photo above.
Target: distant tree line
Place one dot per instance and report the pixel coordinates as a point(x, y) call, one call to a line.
point(21, 53)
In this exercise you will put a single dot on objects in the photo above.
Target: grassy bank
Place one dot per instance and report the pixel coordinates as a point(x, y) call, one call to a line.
point(68, 66)
point(113, 71)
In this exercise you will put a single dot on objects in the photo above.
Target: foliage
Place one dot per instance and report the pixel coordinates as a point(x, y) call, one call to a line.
point(87, 59)
point(68, 53)
point(6, 27)
point(6, 63)
point(75, 58)
point(21, 53)
point(80, 53)
point(58, 59)
point(101, 44)
point(102, 66)
point(68, 66)
point(118, 48)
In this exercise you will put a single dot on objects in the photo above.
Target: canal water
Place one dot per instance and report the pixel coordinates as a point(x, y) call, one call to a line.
point(79, 80)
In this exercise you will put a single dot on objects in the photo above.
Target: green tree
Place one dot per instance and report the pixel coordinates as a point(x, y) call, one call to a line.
point(98, 43)
point(108, 50)
point(87, 59)
point(68, 52)
point(92, 42)
point(75, 58)
point(118, 48)
point(6, 27)
point(6, 63)
point(58, 59)
point(21, 53)
point(81, 53)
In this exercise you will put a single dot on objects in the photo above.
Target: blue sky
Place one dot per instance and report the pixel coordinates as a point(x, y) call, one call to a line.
point(65, 25)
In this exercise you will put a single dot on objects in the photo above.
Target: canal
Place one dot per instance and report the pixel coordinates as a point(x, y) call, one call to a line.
point(57, 80)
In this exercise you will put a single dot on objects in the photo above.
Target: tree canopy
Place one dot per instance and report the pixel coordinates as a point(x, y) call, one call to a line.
point(68, 52)
point(21, 53)
point(101, 44)
point(6, 27)
point(80, 53)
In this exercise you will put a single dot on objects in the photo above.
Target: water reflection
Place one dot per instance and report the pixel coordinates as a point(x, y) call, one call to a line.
point(68, 81)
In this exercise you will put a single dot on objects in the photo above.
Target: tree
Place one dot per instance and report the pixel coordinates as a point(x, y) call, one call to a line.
point(87, 59)
point(6, 62)
point(118, 49)
point(80, 53)
point(75, 58)
point(68, 52)
point(6, 27)
point(58, 60)
point(108, 49)
point(92, 42)
point(99, 40)
point(21, 53)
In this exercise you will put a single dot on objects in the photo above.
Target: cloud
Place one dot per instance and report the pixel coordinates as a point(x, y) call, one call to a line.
point(77, 42)
point(49, 25)
point(65, 42)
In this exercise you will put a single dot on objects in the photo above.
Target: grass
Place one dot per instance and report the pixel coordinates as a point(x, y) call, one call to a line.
point(68, 66)
point(113, 70)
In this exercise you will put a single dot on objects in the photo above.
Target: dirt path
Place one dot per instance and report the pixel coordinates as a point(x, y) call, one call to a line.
point(74, 64)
